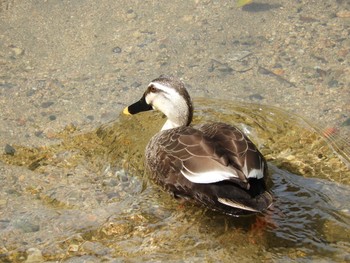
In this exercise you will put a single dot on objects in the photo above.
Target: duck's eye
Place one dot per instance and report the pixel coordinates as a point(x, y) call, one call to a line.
point(152, 88)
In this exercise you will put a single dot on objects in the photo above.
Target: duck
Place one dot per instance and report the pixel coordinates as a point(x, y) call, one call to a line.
point(213, 164)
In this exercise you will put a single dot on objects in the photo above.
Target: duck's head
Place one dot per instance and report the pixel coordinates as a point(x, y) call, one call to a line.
point(168, 95)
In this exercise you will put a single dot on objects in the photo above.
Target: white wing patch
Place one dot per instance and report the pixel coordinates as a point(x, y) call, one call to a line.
point(254, 173)
point(208, 177)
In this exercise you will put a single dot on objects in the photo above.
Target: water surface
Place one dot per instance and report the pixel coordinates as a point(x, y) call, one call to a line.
point(91, 194)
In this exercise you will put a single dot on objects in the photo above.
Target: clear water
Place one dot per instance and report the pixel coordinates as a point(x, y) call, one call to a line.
point(104, 208)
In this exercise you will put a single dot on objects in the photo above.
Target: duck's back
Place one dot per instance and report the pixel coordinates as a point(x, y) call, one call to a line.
point(215, 164)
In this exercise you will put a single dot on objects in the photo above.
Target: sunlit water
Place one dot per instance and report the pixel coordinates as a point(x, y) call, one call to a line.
point(88, 197)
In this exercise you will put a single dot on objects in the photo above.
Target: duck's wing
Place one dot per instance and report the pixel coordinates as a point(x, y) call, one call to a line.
point(200, 159)
point(242, 153)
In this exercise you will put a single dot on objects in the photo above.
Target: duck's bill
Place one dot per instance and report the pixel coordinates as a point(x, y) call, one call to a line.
point(137, 107)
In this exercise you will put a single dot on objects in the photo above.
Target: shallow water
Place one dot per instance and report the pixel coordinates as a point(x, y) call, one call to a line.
point(90, 193)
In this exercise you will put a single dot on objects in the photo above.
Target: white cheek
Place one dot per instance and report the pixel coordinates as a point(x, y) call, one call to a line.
point(149, 98)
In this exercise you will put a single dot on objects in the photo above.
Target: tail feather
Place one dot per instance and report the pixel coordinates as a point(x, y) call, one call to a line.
point(260, 203)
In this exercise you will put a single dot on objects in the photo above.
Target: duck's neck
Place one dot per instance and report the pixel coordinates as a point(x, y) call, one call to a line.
point(177, 119)
point(169, 125)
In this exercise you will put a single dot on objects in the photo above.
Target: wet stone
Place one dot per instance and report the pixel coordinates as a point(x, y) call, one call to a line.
point(220, 66)
point(39, 134)
point(343, 14)
point(113, 195)
point(34, 255)
point(17, 51)
point(31, 93)
point(9, 150)
point(256, 97)
point(95, 248)
point(47, 104)
point(27, 227)
point(6, 85)
point(117, 50)
point(346, 123)
point(136, 84)
point(333, 83)
point(84, 258)
point(90, 117)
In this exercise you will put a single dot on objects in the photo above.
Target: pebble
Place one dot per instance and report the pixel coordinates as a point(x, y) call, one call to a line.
point(34, 256)
point(38, 134)
point(333, 83)
point(220, 66)
point(9, 150)
point(27, 227)
point(278, 71)
point(95, 248)
point(136, 84)
point(52, 117)
point(131, 14)
point(343, 14)
point(117, 50)
point(256, 97)
point(17, 51)
point(47, 104)
point(346, 122)
point(6, 85)
point(90, 117)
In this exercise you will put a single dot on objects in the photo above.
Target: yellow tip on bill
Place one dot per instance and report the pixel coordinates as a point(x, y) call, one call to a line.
point(126, 111)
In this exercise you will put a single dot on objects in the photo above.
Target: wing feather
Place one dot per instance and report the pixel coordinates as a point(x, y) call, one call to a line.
point(209, 153)
point(242, 153)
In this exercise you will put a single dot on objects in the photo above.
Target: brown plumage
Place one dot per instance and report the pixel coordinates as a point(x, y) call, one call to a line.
point(214, 164)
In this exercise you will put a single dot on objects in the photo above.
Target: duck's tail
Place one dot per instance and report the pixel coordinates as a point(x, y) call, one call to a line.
point(255, 205)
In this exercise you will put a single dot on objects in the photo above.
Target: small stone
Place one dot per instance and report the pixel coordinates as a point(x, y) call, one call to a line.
point(34, 255)
point(256, 97)
point(73, 248)
point(343, 14)
point(30, 92)
point(117, 50)
point(47, 104)
point(90, 117)
point(52, 117)
point(27, 227)
point(307, 19)
point(136, 84)
point(17, 51)
point(263, 71)
point(278, 71)
point(333, 83)
point(50, 134)
point(309, 88)
point(9, 150)
point(6, 85)
point(131, 14)
point(346, 122)
point(21, 121)
point(38, 134)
